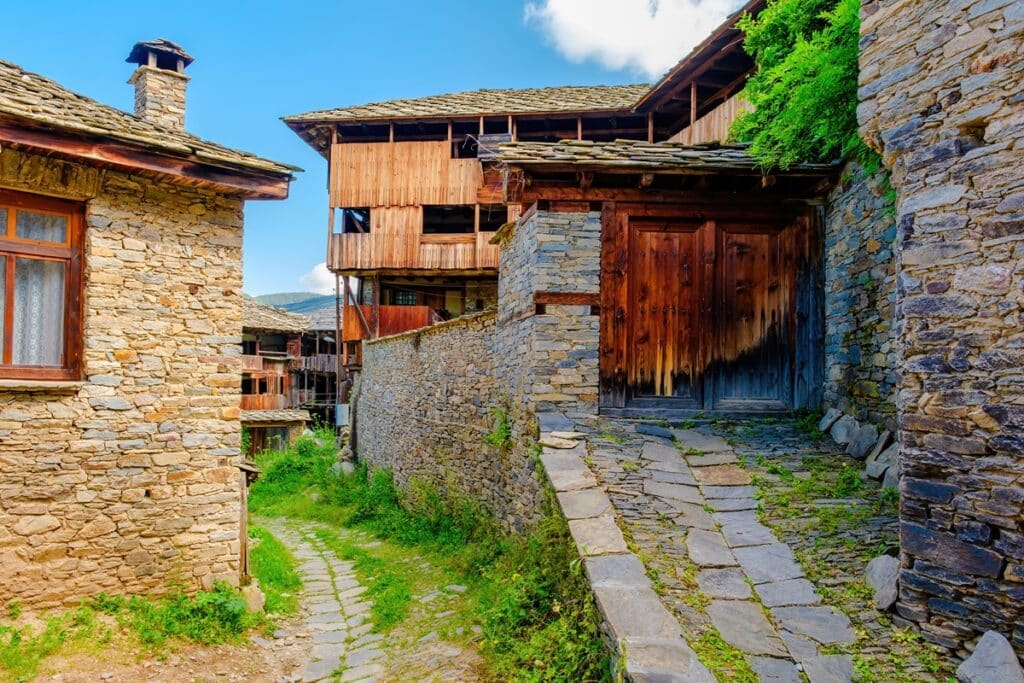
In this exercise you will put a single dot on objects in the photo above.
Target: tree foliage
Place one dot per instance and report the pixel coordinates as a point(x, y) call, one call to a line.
point(804, 90)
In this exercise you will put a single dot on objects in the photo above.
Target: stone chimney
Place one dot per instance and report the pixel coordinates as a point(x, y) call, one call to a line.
point(160, 82)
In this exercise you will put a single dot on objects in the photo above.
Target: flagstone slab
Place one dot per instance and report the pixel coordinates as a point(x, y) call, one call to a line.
point(708, 549)
point(635, 612)
point(829, 669)
point(728, 583)
point(653, 430)
point(706, 443)
point(765, 563)
point(673, 477)
point(597, 535)
point(687, 494)
point(823, 624)
point(660, 451)
point(722, 475)
point(584, 503)
point(743, 625)
point(732, 504)
point(752, 532)
point(711, 459)
point(772, 670)
point(788, 593)
point(566, 470)
point(622, 570)
point(729, 491)
point(694, 516)
point(649, 659)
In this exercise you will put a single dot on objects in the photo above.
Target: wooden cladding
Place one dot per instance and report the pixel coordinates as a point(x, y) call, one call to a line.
point(375, 251)
point(713, 126)
point(710, 308)
point(391, 320)
point(396, 174)
point(264, 402)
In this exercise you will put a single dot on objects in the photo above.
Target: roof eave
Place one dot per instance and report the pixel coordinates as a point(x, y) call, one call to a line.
point(245, 181)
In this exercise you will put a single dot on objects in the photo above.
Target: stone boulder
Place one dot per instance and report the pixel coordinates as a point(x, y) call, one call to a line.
point(844, 429)
point(876, 466)
point(882, 574)
point(862, 442)
point(829, 419)
point(993, 660)
point(891, 480)
point(253, 596)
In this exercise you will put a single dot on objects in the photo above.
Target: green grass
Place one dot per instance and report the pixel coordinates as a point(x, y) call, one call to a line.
point(726, 662)
point(274, 568)
point(527, 592)
point(147, 625)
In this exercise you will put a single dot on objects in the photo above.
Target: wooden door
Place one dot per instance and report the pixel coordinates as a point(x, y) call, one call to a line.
point(665, 293)
point(753, 330)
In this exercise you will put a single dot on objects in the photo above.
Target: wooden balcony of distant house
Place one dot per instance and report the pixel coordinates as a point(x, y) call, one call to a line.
point(391, 320)
point(264, 402)
point(321, 362)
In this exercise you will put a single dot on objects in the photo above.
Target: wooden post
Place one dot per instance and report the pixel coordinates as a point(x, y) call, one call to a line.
point(337, 340)
point(391, 132)
point(375, 311)
point(650, 126)
point(693, 105)
point(481, 125)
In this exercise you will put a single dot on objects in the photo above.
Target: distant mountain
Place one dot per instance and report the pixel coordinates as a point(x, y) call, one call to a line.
point(314, 303)
point(282, 299)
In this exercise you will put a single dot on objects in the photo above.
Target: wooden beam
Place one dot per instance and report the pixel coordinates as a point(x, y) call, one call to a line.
point(567, 298)
point(693, 103)
point(579, 127)
point(650, 126)
point(350, 297)
point(253, 184)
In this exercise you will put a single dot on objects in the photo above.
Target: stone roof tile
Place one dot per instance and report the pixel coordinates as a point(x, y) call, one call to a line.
point(257, 316)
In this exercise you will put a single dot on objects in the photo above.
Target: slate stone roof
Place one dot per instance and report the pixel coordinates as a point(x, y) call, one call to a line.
point(630, 155)
point(257, 316)
point(274, 416)
point(488, 102)
point(26, 95)
point(322, 319)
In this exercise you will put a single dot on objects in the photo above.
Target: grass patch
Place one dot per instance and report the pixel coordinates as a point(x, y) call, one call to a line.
point(726, 662)
point(208, 618)
point(274, 567)
point(527, 592)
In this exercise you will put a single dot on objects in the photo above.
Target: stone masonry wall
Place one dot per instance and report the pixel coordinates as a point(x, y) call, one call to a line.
point(860, 296)
point(942, 98)
point(424, 408)
point(160, 96)
point(556, 252)
point(129, 479)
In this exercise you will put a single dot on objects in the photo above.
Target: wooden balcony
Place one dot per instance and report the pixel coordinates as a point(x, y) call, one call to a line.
point(252, 363)
point(354, 252)
point(323, 362)
point(393, 320)
point(264, 402)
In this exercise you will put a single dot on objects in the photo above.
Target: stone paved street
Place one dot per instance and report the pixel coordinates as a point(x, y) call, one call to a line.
point(337, 618)
point(689, 508)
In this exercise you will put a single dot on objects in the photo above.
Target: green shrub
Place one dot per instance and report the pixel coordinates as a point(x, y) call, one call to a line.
point(804, 90)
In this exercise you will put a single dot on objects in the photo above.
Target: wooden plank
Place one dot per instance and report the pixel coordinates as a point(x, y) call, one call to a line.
point(567, 298)
point(612, 353)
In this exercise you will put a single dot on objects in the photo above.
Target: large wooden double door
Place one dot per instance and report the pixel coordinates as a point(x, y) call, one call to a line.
point(702, 311)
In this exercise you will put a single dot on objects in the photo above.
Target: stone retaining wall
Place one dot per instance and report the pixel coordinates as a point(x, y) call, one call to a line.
point(129, 479)
point(424, 408)
point(942, 98)
point(860, 295)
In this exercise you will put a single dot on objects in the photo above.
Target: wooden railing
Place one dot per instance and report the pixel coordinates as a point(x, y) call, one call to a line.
point(371, 251)
point(252, 363)
point(393, 320)
point(264, 402)
point(324, 362)
point(714, 125)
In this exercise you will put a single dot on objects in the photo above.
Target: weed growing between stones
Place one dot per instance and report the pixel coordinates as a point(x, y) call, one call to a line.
point(274, 568)
point(728, 662)
point(501, 435)
point(527, 593)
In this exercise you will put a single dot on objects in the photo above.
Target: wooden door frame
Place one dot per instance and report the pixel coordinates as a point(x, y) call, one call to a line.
point(615, 257)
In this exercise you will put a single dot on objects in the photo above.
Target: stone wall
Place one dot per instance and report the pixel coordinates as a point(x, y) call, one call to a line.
point(129, 479)
point(555, 347)
point(160, 96)
point(860, 296)
point(424, 409)
point(942, 98)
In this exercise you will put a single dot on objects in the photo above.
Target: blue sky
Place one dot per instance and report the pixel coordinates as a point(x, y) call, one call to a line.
point(257, 61)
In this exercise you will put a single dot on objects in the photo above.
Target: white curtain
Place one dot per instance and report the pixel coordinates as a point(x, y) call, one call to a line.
point(38, 312)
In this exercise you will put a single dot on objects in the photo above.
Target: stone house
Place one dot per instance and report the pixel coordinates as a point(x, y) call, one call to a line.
point(120, 249)
point(661, 273)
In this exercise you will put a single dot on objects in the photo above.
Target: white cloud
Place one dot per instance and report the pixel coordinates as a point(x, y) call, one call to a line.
point(646, 36)
point(319, 279)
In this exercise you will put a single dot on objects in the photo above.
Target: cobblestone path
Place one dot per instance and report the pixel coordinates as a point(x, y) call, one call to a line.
point(691, 512)
point(337, 619)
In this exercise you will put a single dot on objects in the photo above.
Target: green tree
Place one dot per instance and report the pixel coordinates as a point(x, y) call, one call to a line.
point(804, 89)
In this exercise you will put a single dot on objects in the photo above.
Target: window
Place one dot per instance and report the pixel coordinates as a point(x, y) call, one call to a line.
point(40, 287)
point(492, 217)
point(404, 297)
point(448, 220)
point(355, 220)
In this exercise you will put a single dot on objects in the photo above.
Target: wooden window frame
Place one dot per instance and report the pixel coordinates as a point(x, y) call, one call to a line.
point(71, 253)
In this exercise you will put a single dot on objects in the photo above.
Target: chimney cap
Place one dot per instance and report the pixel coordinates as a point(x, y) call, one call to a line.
point(168, 54)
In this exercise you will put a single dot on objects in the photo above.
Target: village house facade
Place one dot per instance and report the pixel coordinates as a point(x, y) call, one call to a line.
point(120, 249)
point(653, 271)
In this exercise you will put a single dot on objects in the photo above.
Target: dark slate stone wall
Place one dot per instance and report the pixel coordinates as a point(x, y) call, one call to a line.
point(860, 296)
point(942, 98)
